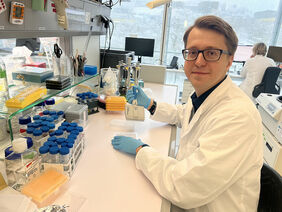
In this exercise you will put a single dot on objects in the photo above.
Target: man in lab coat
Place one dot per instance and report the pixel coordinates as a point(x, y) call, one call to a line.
point(254, 68)
point(217, 168)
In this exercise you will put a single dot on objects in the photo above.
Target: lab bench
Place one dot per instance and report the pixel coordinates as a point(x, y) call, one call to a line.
point(107, 178)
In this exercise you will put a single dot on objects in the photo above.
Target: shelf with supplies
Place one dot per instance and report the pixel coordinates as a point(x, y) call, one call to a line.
point(8, 114)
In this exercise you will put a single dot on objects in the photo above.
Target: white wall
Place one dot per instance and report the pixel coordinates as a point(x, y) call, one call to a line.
point(93, 50)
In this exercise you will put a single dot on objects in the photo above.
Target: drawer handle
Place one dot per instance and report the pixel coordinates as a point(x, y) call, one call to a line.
point(269, 147)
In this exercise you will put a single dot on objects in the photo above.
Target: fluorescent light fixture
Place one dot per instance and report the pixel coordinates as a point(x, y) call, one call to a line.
point(156, 3)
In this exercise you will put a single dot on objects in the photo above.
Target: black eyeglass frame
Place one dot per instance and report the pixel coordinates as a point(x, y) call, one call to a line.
point(202, 51)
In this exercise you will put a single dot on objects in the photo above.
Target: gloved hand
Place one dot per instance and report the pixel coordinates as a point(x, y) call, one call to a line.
point(126, 144)
point(137, 93)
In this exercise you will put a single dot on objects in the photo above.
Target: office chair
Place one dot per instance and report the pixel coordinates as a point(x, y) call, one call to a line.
point(173, 63)
point(268, 83)
point(270, 199)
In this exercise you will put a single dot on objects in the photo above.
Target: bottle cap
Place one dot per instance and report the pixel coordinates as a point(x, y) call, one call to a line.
point(8, 151)
point(30, 130)
point(60, 113)
point(30, 125)
point(52, 113)
point(80, 129)
point(29, 142)
point(50, 101)
point(47, 143)
point(76, 132)
point(46, 112)
point(54, 150)
point(64, 144)
point(44, 129)
point(59, 132)
point(74, 136)
point(19, 145)
point(51, 125)
point(43, 118)
point(44, 149)
point(62, 128)
point(36, 117)
point(37, 132)
point(73, 124)
point(60, 140)
point(45, 123)
point(55, 117)
point(24, 120)
point(52, 133)
point(41, 104)
point(64, 151)
point(50, 119)
point(70, 140)
point(70, 145)
point(69, 129)
point(65, 124)
point(53, 139)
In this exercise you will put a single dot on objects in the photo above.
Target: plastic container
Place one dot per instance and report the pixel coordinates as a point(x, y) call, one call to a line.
point(36, 138)
point(54, 156)
point(44, 152)
point(39, 108)
point(59, 133)
point(46, 112)
point(49, 103)
point(51, 127)
point(45, 131)
point(22, 164)
point(23, 121)
point(64, 155)
point(60, 115)
point(46, 188)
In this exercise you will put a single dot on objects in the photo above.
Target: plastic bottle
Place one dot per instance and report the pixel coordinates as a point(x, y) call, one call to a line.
point(23, 121)
point(60, 141)
point(51, 127)
point(59, 133)
point(70, 146)
point(37, 136)
point(39, 108)
point(46, 112)
point(65, 124)
point(60, 115)
point(44, 152)
point(4, 91)
point(54, 156)
point(29, 131)
point(36, 117)
point(19, 163)
point(45, 131)
point(49, 103)
point(52, 139)
point(64, 155)
point(55, 118)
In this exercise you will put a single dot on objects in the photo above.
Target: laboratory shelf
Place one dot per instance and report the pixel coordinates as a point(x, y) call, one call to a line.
point(50, 93)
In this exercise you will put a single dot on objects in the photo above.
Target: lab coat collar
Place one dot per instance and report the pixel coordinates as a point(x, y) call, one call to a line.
point(210, 101)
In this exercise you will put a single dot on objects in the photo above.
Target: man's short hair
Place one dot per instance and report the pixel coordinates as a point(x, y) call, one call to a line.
point(260, 49)
point(216, 24)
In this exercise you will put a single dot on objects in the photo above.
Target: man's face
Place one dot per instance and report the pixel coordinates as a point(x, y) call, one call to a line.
point(202, 74)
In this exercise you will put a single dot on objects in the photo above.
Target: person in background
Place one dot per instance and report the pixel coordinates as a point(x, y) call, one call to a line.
point(217, 167)
point(254, 68)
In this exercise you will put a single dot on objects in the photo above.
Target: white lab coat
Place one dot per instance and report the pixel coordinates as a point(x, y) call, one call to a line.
point(217, 168)
point(253, 72)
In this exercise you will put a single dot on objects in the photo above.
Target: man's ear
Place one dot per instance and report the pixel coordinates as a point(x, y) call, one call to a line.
point(230, 61)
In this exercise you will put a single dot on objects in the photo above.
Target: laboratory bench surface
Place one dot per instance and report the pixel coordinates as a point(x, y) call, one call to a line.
point(108, 179)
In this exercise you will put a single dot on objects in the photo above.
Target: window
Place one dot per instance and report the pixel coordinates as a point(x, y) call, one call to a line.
point(252, 20)
point(133, 19)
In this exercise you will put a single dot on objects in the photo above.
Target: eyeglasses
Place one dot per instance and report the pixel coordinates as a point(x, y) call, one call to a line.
point(209, 54)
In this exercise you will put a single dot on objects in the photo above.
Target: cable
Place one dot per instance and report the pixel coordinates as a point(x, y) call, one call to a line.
point(111, 34)
point(102, 65)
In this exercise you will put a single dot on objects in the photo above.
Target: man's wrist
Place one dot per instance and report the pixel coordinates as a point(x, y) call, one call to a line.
point(140, 147)
point(150, 105)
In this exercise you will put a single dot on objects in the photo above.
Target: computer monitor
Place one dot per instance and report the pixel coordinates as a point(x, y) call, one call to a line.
point(243, 53)
point(141, 46)
point(275, 52)
point(33, 44)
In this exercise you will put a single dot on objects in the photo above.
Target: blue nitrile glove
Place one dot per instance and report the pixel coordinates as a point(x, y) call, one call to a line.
point(137, 93)
point(126, 144)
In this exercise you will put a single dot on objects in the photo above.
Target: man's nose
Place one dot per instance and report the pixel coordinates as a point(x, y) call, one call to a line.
point(200, 61)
